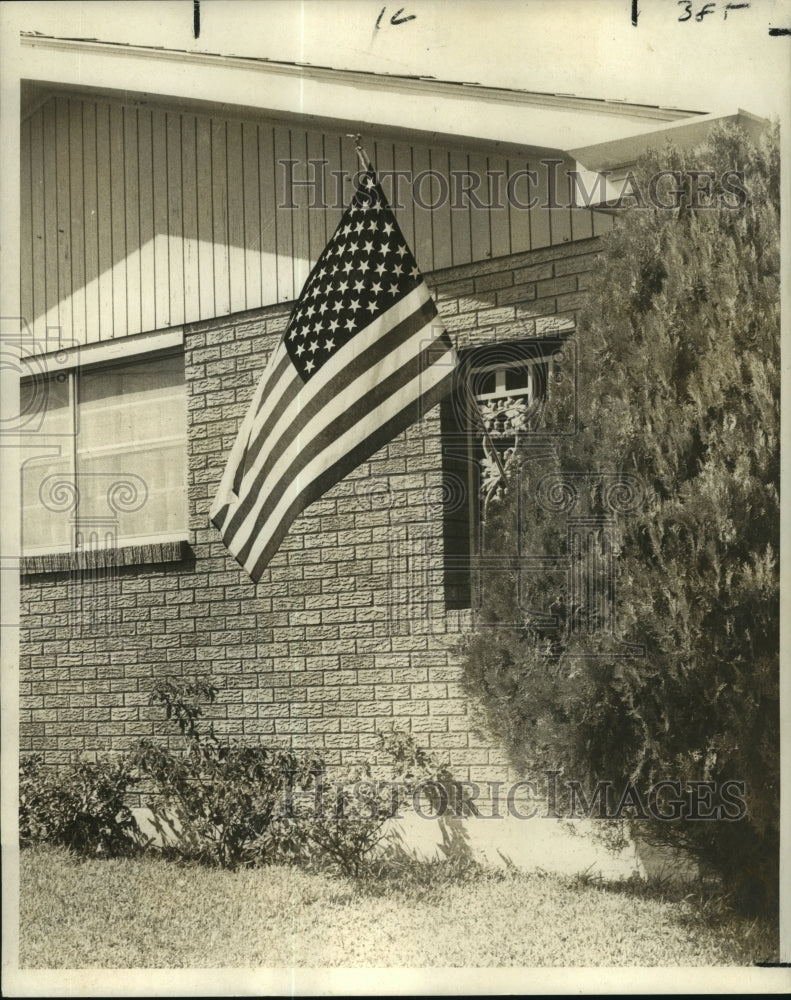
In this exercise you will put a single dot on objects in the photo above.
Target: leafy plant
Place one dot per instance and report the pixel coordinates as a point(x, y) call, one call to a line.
point(225, 802)
point(369, 796)
point(82, 808)
point(679, 386)
point(228, 804)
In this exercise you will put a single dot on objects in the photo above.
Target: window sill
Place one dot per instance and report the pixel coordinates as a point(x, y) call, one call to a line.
point(124, 555)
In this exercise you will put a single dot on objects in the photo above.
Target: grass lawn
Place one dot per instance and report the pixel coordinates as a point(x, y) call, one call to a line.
point(152, 913)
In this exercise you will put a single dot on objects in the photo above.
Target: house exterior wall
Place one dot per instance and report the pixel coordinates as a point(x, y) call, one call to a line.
point(347, 632)
point(137, 218)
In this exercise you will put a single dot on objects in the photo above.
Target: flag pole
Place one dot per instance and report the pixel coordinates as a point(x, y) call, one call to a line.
point(362, 156)
point(365, 164)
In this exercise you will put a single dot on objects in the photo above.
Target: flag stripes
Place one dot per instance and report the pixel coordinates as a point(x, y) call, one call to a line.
point(297, 408)
point(326, 405)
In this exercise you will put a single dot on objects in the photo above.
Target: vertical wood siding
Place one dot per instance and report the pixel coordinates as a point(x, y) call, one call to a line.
point(137, 219)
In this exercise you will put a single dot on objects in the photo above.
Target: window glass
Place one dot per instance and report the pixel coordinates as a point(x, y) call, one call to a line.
point(125, 468)
point(507, 396)
point(48, 496)
point(131, 448)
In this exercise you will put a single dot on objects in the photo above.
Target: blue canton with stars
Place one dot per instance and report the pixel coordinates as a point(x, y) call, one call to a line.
point(363, 270)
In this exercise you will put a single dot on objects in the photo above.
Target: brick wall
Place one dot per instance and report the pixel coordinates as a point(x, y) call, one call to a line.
point(347, 632)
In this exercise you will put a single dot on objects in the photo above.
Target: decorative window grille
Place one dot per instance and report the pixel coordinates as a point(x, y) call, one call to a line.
point(505, 393)
point(510, 394)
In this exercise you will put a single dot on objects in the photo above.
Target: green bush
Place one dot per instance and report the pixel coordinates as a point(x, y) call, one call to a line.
point(346, 834)
point(82, 807)
point(229, 804)
point(226, 802)
point(679, 388)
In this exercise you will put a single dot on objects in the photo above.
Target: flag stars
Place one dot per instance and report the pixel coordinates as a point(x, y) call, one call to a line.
point(366, 267)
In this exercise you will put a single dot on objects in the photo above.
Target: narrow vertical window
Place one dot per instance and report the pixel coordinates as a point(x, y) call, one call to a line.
point(505, 399)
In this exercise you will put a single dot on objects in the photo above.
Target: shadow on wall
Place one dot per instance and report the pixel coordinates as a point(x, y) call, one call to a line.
point(559, 847)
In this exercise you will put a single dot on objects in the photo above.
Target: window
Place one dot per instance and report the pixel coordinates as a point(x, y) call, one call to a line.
point(504, 393)
point(106, 465)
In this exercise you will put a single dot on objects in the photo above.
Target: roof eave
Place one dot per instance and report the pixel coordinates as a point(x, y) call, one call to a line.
point(460, 111)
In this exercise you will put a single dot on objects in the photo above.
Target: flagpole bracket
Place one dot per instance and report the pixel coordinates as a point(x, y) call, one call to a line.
point(362, 156)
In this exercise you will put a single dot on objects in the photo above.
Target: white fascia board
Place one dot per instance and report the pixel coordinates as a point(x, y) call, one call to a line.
point(618, 153)
point(122, 348)
point(594, 190)
point(433, 108)
point(603, 168)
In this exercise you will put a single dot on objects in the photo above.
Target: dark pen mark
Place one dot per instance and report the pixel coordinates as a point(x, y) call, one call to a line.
point(196, 18)
point(403, 20)
point(395, 19)
point(777, 32)
point(635, 13)
point(706, 9)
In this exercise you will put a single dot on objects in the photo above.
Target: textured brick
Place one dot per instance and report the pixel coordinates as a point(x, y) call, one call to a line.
point(341, 638)
point(448, 706)
point(451, 289)
point(491, 317)
point(534, 272)
point(498, 279)
point(410, 708)
point(520, 293)
point(575, 300)
point(574, 265)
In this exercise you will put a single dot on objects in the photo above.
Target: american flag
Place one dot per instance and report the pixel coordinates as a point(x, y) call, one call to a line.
point(363, 356)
